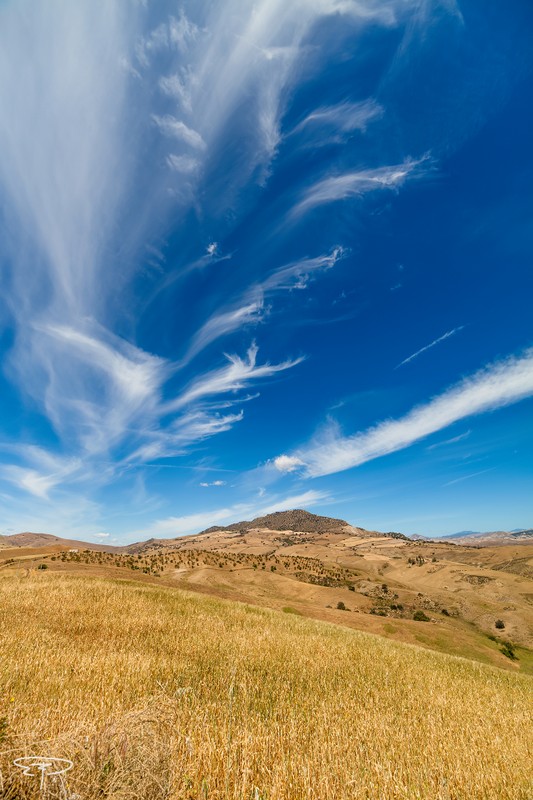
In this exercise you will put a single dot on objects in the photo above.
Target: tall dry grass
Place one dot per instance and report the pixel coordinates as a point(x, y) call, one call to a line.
point(155, 693)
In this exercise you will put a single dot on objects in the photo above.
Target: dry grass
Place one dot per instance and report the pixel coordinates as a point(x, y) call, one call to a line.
point(155, 693)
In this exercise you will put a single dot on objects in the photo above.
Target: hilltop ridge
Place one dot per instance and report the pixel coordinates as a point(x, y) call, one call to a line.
point(295, 520)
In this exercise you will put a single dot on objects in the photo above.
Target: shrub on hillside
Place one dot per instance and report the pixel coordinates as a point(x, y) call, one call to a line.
point(508, 650)
point(419, 616)
point(500, 624)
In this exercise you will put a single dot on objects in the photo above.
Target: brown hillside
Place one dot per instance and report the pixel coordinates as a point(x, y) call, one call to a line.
point(29, 539)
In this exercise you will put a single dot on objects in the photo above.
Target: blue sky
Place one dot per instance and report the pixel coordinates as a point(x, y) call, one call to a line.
point(265, 255)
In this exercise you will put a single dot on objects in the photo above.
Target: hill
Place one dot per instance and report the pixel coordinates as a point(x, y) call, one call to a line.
point(296, 520)
point(28, 539)
point(153, 692)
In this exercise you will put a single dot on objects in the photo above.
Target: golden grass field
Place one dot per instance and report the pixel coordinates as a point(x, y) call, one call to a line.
point(157, 693)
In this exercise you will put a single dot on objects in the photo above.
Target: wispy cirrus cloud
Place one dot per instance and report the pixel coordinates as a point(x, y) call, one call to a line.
point(223, 323)
point(37, 471)
point(467, 477)
point(235, 376)
point(358, 183)
point(297, 274)
point(332, 123)
point(250, 308)
point(30, 480)
point(203, 408)
point(496, 386)
point(453, 440)
point(430, 345)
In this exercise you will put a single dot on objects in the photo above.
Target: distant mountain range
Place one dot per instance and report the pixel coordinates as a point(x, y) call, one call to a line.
point(517, 536)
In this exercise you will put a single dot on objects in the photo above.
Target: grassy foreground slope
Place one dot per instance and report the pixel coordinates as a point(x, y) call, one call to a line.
point(157, 693)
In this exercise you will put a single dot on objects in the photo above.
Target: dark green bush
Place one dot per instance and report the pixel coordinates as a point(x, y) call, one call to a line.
point(419, 616)
point(508, 650)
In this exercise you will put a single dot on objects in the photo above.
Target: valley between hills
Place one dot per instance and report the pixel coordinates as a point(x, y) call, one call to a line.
point(469, 600)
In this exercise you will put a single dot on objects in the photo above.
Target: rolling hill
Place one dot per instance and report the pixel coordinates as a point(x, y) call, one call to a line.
point(28, 539)
point(435, 593)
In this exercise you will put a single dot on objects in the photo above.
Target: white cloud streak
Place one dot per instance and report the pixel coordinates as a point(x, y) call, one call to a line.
point(356, 184)
point(250, 308)
point(498, 385)
point(224, 323)
point(30, 480)
point(452, 440)
point(467, 477)
point(430, 345)
point(109, 384)
point(231, 378)
point(339, 119)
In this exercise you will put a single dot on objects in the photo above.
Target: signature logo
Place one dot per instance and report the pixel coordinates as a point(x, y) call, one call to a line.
point(44, 767)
